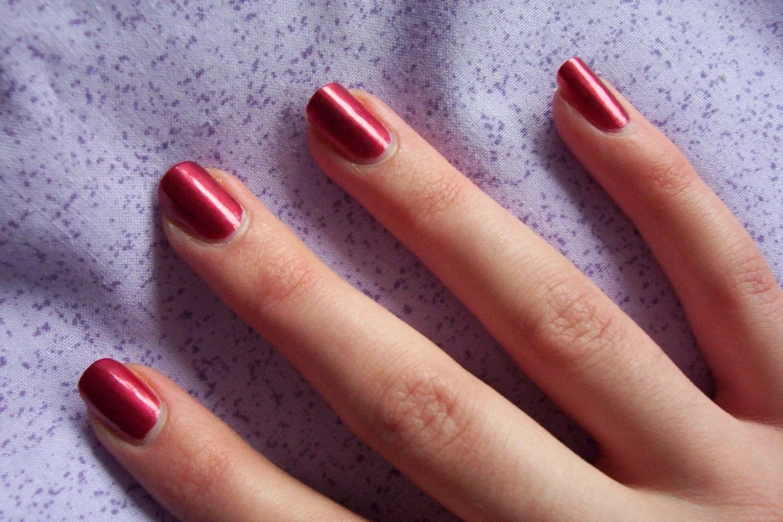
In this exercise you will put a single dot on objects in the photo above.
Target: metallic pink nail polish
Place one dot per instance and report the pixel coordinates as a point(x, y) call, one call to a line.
point(582, 89)
point(119, 398)
point(192, 198)
point(347, 124)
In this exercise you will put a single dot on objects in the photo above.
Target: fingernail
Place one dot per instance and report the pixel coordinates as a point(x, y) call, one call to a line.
point(193, 199)
point(120, 399)
point(582, 89)
point(343, 121)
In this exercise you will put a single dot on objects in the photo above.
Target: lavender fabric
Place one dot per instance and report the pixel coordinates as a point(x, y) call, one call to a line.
point(97, 99)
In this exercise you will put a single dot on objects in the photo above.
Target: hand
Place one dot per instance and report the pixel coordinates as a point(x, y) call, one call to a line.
point(668, 452)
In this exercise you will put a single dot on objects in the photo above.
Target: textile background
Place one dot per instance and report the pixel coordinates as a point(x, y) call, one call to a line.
point(98, 99)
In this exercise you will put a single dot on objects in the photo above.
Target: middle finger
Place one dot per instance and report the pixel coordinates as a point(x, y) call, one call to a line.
point(563, 331)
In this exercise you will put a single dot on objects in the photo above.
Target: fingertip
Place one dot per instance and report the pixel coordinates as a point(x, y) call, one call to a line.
point(347, 123)
point(194, 199)
point(583, 90)
point(122, 402)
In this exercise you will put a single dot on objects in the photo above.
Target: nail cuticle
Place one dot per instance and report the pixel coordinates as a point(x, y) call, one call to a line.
point(188, 234)
point(391, 150)
point(102, 424)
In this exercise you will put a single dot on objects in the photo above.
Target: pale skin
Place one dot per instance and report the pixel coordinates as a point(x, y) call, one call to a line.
point(668, 452)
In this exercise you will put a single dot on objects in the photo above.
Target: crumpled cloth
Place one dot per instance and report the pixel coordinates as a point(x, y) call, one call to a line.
point(97, 100)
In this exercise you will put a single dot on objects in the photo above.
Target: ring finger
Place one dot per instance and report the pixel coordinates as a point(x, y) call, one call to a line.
point(452, 434)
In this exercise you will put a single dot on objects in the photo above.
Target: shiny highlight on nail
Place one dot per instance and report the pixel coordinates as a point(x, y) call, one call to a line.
point(584, 91)
point(347, 125)
point(119, 398)
point(192, 198)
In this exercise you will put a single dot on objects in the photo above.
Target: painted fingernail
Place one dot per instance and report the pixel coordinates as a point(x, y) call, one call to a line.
point(193, 199)
point(582, 89)
point(343, 121)
point(120, 399)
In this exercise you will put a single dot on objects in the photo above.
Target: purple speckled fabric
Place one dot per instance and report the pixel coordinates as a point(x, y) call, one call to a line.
point(97, 99)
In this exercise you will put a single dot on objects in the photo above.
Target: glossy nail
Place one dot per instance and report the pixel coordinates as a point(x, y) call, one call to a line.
point(582, 89)
point(119, 398)
point(193, 199)
point(345, 123)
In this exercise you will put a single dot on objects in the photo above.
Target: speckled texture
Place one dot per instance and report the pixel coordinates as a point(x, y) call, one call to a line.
point(97, 100)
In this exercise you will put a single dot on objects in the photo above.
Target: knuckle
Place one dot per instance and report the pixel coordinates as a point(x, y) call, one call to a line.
point(749, 275)
point(669, 176)
point(282, 272)
point(200, 473)
point(433, 192)
point(574, 326)
point(419, 412)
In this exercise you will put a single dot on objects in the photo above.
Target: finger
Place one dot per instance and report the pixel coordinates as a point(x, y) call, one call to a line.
point(187, 458)
point(732, 300)
point(565, 333)
point(452, 434)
